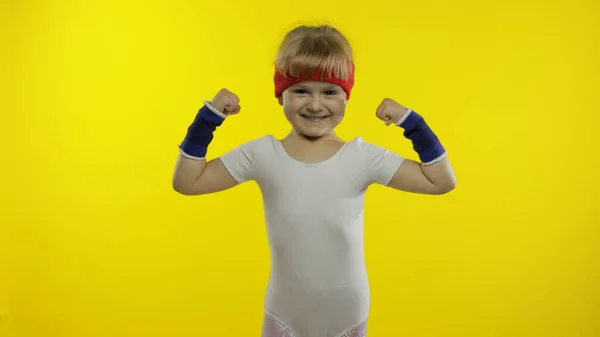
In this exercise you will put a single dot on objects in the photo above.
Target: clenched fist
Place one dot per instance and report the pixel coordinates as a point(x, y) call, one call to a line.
point(226, 102)
point(390, 111)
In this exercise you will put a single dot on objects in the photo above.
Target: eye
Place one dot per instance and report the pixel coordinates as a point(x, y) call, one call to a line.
point(300, 91)
point(330, 92)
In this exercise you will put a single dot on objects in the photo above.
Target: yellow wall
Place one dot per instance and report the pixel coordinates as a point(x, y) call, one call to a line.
point(97, 95)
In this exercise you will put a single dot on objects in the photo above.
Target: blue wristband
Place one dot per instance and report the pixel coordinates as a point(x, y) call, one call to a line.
point(200, 133)
point(425, 142)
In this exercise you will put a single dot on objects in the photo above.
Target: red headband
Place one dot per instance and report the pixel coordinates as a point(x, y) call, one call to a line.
point(282, 82)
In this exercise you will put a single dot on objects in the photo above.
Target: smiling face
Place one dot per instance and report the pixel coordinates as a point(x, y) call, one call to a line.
point(314, 108)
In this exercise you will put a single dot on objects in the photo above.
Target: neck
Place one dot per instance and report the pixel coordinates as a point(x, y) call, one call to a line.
point(329, 136)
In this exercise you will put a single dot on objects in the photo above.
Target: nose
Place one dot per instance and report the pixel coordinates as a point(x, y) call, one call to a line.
point(315, 104)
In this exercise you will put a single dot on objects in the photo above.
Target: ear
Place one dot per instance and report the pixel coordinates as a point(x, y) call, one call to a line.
point(280, 100)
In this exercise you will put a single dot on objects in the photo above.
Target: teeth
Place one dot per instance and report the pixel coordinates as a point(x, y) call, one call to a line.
point(313, 118)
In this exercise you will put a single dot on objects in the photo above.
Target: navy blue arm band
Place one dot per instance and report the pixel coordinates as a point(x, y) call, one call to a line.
point(200, 133)
point(425, 142)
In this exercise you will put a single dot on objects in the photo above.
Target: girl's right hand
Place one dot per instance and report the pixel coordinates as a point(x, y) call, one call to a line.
point(226, 102)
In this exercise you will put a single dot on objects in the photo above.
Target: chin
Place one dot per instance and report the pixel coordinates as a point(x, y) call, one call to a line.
point(313, 133)
point(313, 128)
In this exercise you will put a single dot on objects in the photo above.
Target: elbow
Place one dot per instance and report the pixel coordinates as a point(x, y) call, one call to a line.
point(178, 188)
point(187, 188)
point(447, 187)
point(181, 188)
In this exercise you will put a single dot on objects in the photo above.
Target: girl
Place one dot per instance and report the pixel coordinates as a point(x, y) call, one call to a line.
point(313, 184)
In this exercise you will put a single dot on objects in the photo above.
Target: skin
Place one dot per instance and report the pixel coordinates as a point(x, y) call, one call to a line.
point(312, 142)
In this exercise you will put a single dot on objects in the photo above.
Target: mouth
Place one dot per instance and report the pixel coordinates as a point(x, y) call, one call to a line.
point(314, 118)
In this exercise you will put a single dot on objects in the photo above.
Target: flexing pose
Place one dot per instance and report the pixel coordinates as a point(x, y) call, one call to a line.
point(313, 184)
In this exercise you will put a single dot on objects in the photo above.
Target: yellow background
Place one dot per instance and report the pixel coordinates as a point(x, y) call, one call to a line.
point(97, 95)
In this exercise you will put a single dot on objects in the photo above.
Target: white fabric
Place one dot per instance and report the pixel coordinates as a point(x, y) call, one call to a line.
point(213, 109)
point(401, 120)
point(318, 285)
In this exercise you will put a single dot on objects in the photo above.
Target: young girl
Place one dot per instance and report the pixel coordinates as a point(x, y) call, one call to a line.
point(313, 184)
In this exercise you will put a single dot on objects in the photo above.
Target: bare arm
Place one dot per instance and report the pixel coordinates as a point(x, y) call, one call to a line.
point(197, 177)
point(436, 175)
point(415, 177)
point(193, 175)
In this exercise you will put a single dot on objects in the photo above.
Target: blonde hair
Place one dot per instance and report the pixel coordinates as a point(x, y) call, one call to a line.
point(306, 49)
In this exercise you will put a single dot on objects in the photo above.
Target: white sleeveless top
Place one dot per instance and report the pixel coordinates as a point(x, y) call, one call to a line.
point(318, 284)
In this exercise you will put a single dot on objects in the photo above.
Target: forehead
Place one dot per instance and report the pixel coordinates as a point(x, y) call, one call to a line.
point(316, 85)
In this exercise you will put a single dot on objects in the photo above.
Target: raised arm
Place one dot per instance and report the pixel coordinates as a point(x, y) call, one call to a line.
point(434, 174)
point(193, 174)
point(416, 177)
point(197, 177)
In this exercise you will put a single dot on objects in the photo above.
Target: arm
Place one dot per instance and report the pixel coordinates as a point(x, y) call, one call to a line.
point(196, 177)
point(193, 174)
point(434, 174)
point(415, 177)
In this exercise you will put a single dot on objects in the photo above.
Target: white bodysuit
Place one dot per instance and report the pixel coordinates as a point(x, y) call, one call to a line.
point(318, 286)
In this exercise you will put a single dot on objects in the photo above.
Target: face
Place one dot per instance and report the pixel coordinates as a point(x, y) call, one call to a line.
point(314, 108)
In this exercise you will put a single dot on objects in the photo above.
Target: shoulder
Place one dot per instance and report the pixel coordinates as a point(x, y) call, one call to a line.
point(264, 144)
point(241, 161)
point(380, 163)
point(257, 143)
point(257, 148)
point(373, 154)
point(365, 148)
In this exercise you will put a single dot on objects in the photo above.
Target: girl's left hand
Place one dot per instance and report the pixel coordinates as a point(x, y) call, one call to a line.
point(390, 111)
